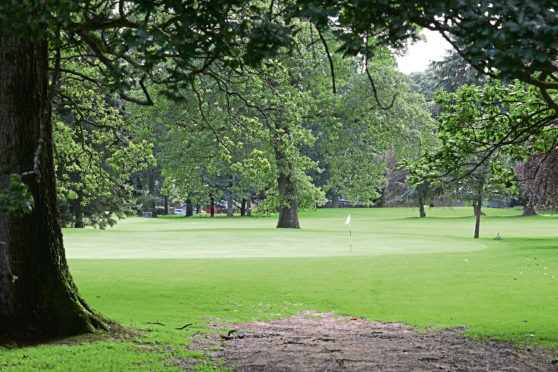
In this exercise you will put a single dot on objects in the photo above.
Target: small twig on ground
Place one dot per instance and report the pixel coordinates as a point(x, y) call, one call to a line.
point(157, 322)
point(184, 326)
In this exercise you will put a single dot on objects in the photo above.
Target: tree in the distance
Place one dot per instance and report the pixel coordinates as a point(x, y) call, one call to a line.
point(95, 153)
point(470, 120)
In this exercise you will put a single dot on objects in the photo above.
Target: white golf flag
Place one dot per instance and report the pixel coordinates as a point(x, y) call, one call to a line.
point(348, 219)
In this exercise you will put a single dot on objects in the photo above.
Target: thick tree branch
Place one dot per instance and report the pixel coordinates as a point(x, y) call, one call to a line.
point(147, 102)
point(98, 24)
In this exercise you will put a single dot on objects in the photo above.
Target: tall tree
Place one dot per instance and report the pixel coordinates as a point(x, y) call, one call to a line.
point(38, 295)
point(127, 39)
point(253, 122)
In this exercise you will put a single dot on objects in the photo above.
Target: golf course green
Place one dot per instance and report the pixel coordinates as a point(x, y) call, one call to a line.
point(388, 265)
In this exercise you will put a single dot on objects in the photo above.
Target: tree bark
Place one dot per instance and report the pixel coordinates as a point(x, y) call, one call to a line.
point(422, 213)
point(243, 208)
point(78, 215)
point(528, 209)
point(477, 205)
point(189, 208)
point(38, 297)
point(288, 209)
point(151, 181)
point(249, 206)
point(77, 210)
point(166, 212)
point(230, 206)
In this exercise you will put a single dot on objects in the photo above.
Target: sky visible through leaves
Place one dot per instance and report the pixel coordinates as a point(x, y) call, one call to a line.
point(419, 55)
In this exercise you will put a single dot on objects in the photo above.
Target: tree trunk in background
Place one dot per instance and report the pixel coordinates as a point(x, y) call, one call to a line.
point(422, 213)
point(477, 205)
point(528, 209)
point(249, 206)
point(151, 181)
point(78, 214)
point(167, 211)
point(335, 200)
point(230, 206)
point(243, 208)
point(382, 200)
point(288, 210)
point(189, 208)
point(77, 211)
point(212, 206)
point(38, 297)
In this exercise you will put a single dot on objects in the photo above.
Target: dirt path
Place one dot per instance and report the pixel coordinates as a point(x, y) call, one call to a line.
point(321, 342)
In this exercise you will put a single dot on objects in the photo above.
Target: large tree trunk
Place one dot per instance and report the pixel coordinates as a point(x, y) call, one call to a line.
point(422, 213)
point(288, 209)
point(528, 209)
point(38, 297)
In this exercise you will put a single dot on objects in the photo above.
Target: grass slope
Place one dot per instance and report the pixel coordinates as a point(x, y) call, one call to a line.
point(425, 272)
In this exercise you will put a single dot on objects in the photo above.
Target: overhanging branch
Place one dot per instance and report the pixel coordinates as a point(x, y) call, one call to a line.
point(331, 67)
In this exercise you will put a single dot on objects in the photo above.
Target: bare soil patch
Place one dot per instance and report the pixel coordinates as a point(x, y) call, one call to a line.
point(311, 341)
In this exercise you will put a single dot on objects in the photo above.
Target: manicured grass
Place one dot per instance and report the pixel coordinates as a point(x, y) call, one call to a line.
point(425, 272)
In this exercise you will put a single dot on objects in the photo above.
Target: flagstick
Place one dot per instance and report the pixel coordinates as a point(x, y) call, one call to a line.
point(348, 222)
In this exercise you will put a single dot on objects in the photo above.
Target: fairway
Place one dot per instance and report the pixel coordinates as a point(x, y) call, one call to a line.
point(423, 272)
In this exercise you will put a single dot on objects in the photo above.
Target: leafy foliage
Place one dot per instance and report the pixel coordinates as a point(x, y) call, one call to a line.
point(485, 121)
point(16, 200)
point(472, 120)
point(515, 38)
point(95, 153)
